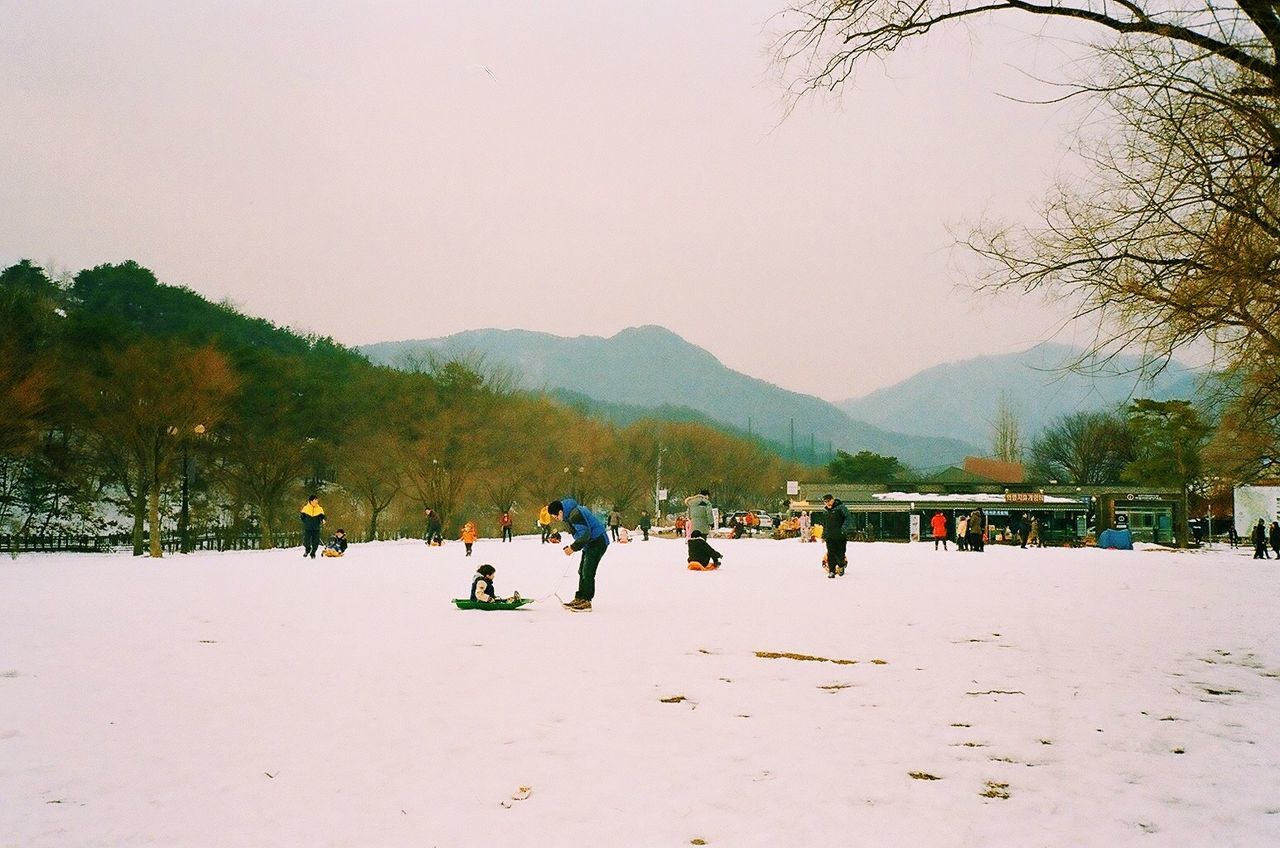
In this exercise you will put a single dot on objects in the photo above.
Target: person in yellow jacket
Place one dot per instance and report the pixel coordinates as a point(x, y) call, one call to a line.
point(544, 523)
point(469, 534)
point(312, 517)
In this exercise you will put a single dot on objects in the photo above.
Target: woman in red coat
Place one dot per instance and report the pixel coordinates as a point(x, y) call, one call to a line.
point(939, 525)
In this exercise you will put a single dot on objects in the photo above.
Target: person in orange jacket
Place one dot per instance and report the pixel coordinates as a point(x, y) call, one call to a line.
point(469, 535)
point(939, 525)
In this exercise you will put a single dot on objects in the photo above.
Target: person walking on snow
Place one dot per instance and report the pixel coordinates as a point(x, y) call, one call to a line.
point(645, 524)
point(312, 517)
point(835, 526)
point(699, 507)
point(590, 537)
point(939, 525)
point(1024, 530)
point(1259, 539)
point(615, 521)
point(1275, 537)
point(505, 522)
point(469, 535)
point(544, 523)
point(435, 527)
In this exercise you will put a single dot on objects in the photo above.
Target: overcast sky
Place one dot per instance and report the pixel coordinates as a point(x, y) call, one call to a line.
point(389, 170)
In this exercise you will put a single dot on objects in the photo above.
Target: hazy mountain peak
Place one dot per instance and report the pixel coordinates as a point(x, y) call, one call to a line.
point(650, 366)
point(960, 398)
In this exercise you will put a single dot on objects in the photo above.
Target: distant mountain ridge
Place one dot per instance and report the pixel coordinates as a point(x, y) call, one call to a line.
point(651, 366)
point(960, 399)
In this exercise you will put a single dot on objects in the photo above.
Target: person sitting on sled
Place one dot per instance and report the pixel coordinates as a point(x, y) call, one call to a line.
point(482, 588)
point(702, 557)
point(337, 544)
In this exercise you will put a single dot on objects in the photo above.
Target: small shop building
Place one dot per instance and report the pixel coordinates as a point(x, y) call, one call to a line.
point(901, 511)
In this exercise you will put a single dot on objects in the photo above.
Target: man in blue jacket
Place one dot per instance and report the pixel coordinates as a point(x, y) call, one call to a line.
point(590, 537)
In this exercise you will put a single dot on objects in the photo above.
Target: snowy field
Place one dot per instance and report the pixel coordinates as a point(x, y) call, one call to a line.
point(1013, 698)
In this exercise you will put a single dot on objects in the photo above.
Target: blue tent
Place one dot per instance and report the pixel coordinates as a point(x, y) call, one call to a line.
point(1120, 540)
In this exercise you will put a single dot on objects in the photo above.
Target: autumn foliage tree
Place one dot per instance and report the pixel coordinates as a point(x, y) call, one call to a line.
point(150, 398)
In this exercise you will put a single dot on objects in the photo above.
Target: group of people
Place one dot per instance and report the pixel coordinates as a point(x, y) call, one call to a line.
point(972, 530)
point(1261, 536)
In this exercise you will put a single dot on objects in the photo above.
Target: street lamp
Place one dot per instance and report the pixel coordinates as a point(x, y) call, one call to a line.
point(657, 488)
point(184, 513)
point(573, 481)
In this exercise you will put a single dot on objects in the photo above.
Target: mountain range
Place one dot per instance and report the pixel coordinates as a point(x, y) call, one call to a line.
point(930, 420)
point(960, 399)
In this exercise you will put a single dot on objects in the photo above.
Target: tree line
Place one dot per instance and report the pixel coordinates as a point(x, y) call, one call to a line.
point(131, 406)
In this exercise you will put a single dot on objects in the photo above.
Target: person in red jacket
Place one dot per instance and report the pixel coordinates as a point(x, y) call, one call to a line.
point(505, 521)
point(939, 525)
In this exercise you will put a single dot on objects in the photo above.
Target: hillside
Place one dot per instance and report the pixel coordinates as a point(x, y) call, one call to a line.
point(959, 399)
point(651, 367)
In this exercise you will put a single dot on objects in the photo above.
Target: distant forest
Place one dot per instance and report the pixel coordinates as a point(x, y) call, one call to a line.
point(140, 409)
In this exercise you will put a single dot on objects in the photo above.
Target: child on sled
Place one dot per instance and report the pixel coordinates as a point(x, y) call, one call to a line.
point(702, 557)
point(337, 544)
point(482, 588)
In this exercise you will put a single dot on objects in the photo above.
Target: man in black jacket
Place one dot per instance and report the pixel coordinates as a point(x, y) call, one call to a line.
point(1259, 539)
point(835, 523)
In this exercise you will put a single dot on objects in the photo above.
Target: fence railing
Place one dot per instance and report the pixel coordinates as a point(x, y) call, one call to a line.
point(210, 539)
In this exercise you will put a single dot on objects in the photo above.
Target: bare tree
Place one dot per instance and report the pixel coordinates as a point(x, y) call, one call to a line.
point(1006, 432)
point(1084, 447)
point(1173, 236)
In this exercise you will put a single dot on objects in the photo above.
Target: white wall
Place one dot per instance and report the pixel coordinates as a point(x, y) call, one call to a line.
point(1254, 502)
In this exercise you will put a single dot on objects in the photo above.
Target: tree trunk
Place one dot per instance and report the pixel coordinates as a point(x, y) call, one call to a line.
point(265, 521)
point(157, 550)
point(139, 520)
point(373, 522)
point(1183, 539)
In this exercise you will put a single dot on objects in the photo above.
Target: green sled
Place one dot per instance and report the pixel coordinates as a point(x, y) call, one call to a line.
point(465, 603)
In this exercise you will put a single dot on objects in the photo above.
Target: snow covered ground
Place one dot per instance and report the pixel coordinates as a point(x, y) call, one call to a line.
point(1059, 697)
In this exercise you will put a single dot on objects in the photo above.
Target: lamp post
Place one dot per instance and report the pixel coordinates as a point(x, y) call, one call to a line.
point(184, 513)
point(573, 480)
point(657, 488)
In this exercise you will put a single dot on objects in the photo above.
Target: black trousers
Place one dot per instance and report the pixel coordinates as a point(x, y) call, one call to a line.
point(506, 534)
point(310, 541)
point(587, 566)
point(836, 551)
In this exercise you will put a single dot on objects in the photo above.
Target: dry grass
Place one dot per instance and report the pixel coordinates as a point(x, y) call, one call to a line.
point(787, 655)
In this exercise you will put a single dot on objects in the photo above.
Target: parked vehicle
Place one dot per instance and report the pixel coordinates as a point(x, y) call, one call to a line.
point(765, 519)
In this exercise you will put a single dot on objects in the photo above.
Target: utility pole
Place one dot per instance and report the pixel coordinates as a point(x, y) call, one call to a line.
point(657, 488)
point(793, 438)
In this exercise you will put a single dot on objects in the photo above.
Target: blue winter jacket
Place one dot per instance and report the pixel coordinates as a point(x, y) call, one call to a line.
point(583, 522)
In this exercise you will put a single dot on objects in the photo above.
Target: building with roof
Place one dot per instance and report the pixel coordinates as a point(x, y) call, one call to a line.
point(1067, 513)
